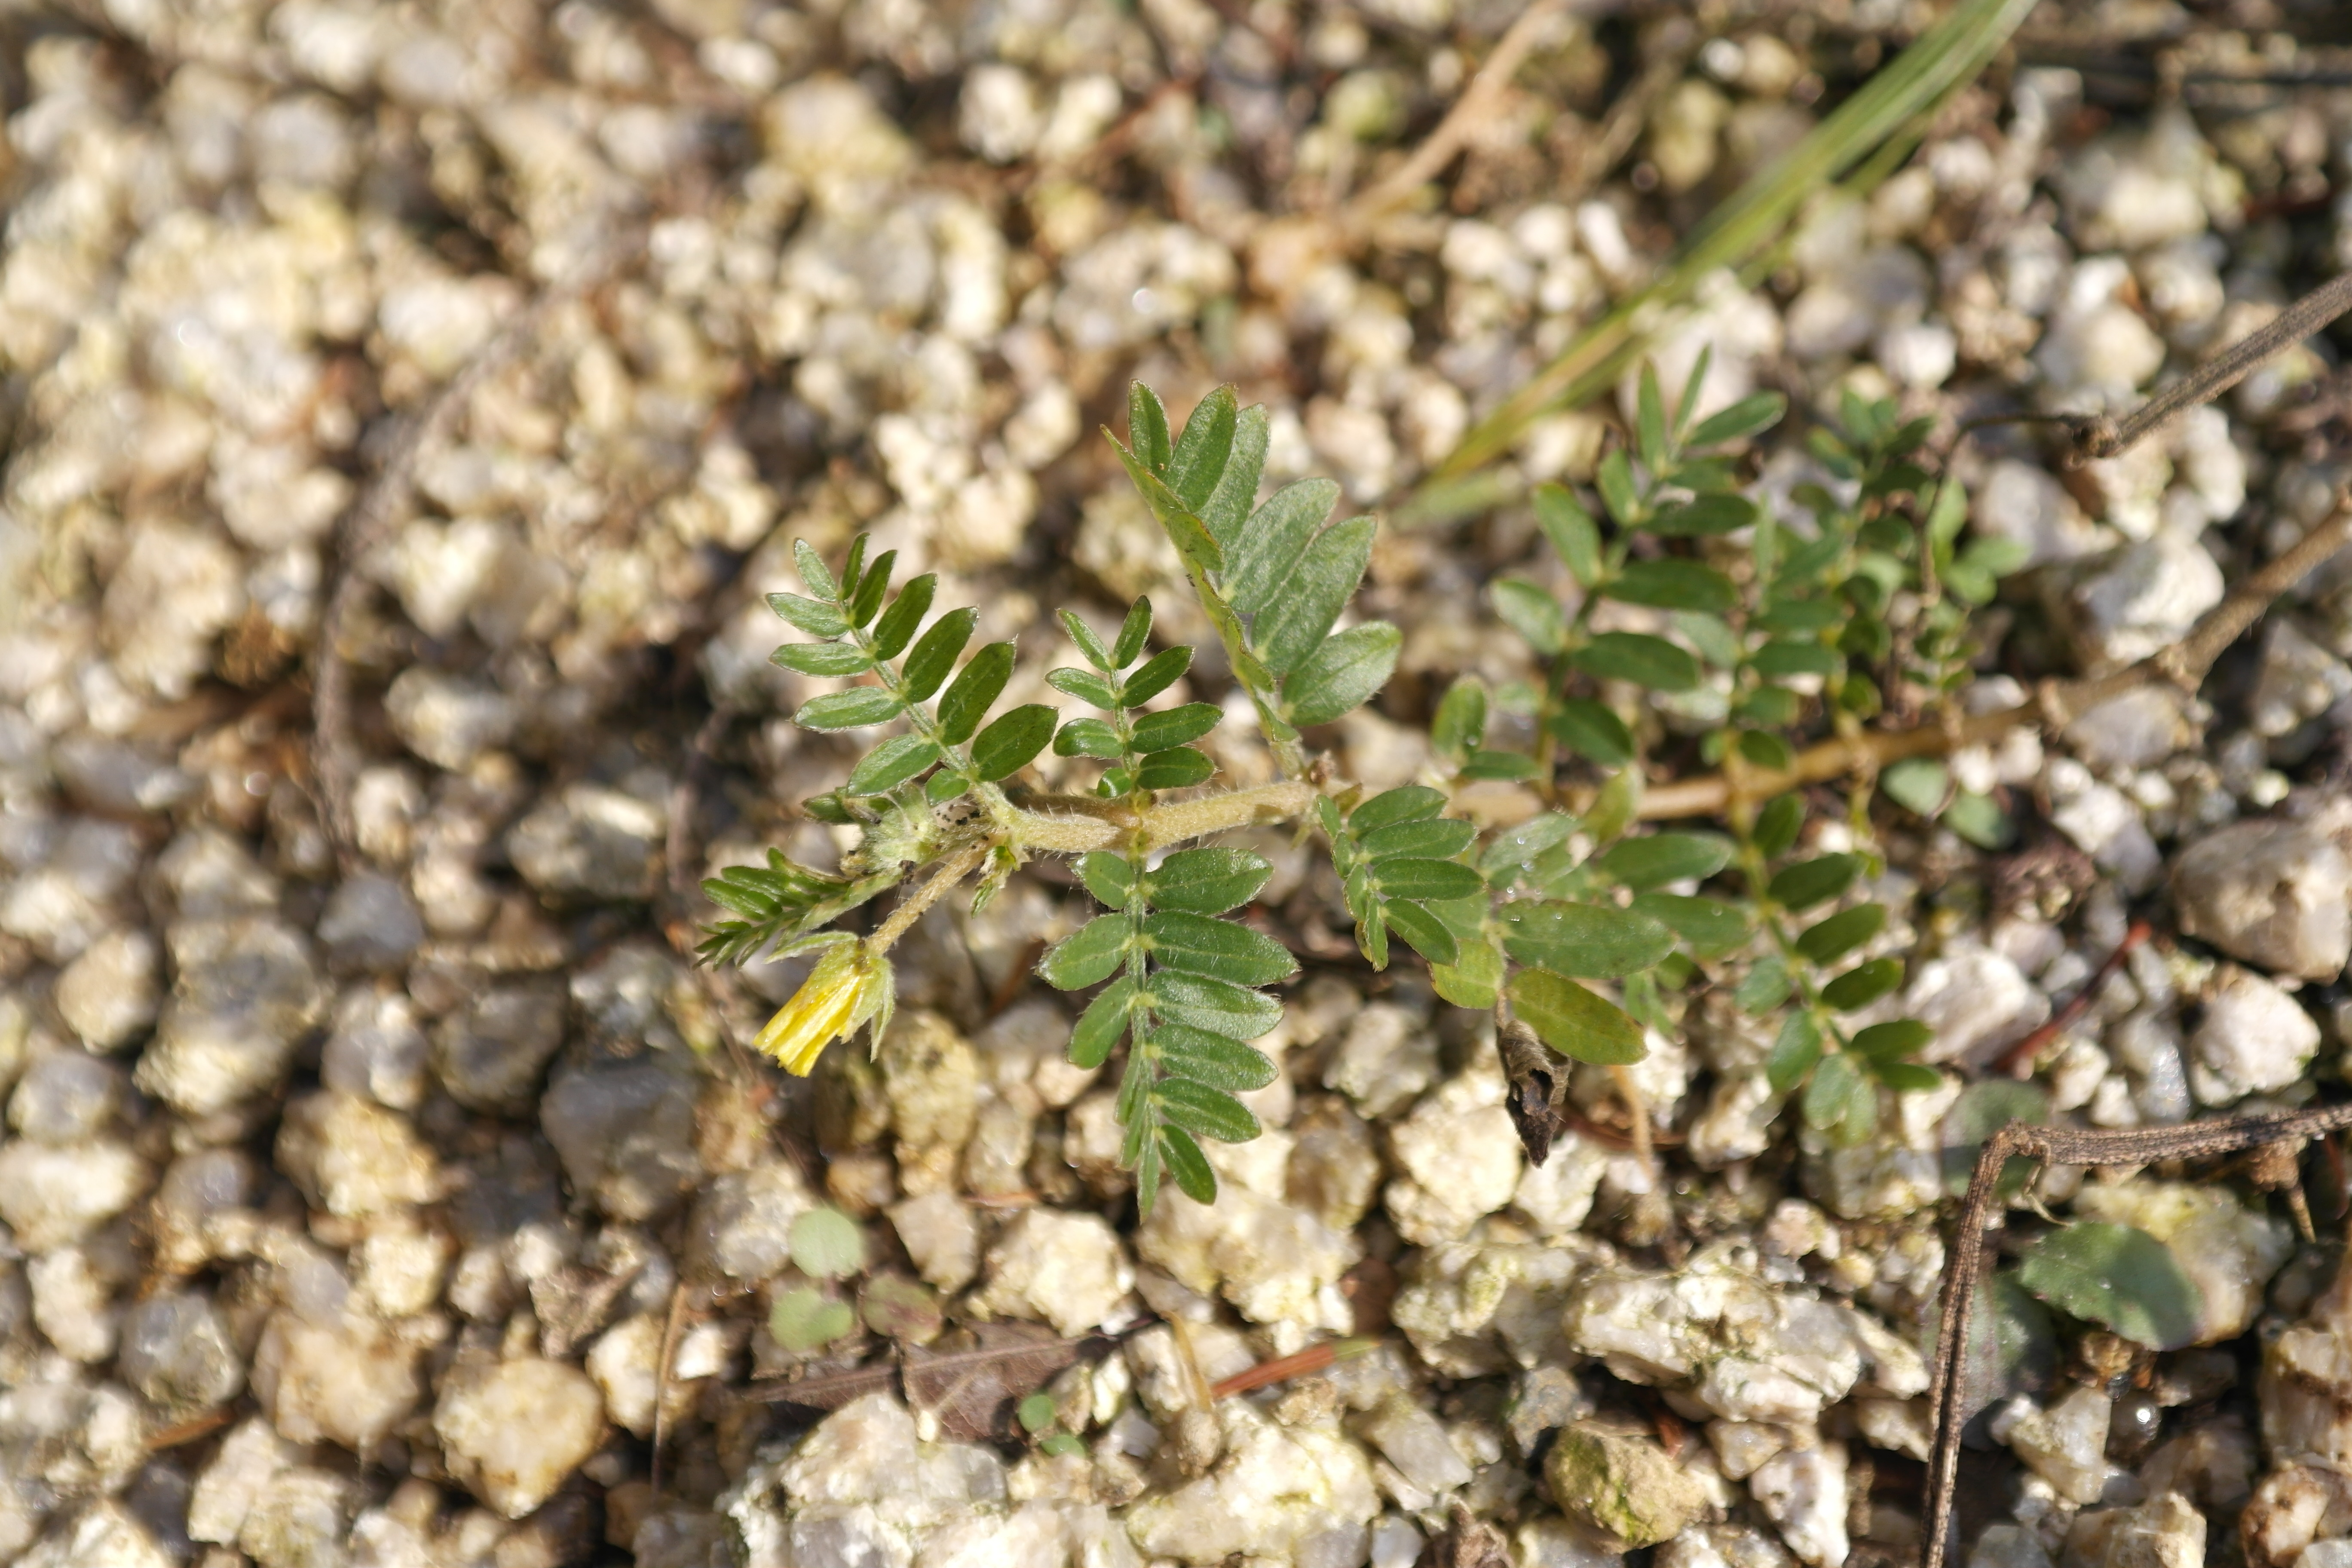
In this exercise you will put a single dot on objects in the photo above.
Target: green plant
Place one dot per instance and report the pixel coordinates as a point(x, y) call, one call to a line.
point(1824, 615)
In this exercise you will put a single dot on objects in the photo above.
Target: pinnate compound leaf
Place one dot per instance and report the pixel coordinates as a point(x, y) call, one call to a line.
point(1198, 945)
point(1011, 740)
point(851, 709)
point(1407, 803)
point(1198, 459)
point(1864, 983)
point(1109, 877)
point(1273, 539)
point(1598, 941)
point(1639, 658)
point(1207, 1111)
point(1101, 1024)
point(935, 653)
point(890, 764)
point(1295, 623)
point(2119, 1277)
point(1674, 585)
point(1159, 731)
point(1710, 925)
point(1179, 767)
point(1653, 861)
point(1212, 1058)
point(896, 629)
point(1195, 1178)
point(1573, 1021)
point(1204, 881)
point(1794, 1051)
point(1591, 729)
point(822, 658)
point(1808, 882)
point(1343, 673)
point(1088, 956)
point(1572, 530)
point(966, 700)
point(1217, 1005)
point(1161, 672)
point(807, 615)
point(1438, 838)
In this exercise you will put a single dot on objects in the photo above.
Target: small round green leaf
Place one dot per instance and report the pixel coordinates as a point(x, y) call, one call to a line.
point(827, 1244)
point(804, 1320)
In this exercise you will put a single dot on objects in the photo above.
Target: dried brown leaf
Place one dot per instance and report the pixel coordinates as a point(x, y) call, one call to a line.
point(972, 1389)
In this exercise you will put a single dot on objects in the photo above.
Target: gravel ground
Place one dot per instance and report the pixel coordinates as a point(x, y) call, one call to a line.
point(353, 1204)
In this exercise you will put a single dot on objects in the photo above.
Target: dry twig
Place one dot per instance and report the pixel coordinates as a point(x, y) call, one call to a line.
point(1979, 1211)
point(1485, 97)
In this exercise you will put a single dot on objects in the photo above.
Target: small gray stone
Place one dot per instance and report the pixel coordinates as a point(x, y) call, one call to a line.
point(742, 1223)
point(354, 1158)
point(2253, 1040)
point(448, 720)
point(177, 1352)
point(108, 996)
point(298, 1520)
point(511, 1432)
point(490, 1052)
point(370, 923)
point(247, 994)
point(376, 1049)
point(2273, 893)
point(626, 1133)
point(65, 1096)
point(1414, 1440)
point(589, 842)
point(53, 1197)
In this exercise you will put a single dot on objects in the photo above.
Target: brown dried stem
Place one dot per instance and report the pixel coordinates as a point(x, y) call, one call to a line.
point(2057, 702)
point(1980, 1212)
point(1480, 103)
point(2106, 438)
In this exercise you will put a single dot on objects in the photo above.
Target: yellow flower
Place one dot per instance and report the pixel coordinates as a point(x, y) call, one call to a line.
point(849, 986)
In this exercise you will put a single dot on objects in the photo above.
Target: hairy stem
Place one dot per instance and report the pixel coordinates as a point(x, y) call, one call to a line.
point(910, 908)
point(1161, 825)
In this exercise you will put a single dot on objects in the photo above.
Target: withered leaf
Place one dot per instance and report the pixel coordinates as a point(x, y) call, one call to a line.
point(826, 1391)
point(972, 1389)
point(971, 1381)
point(1539, 1097)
